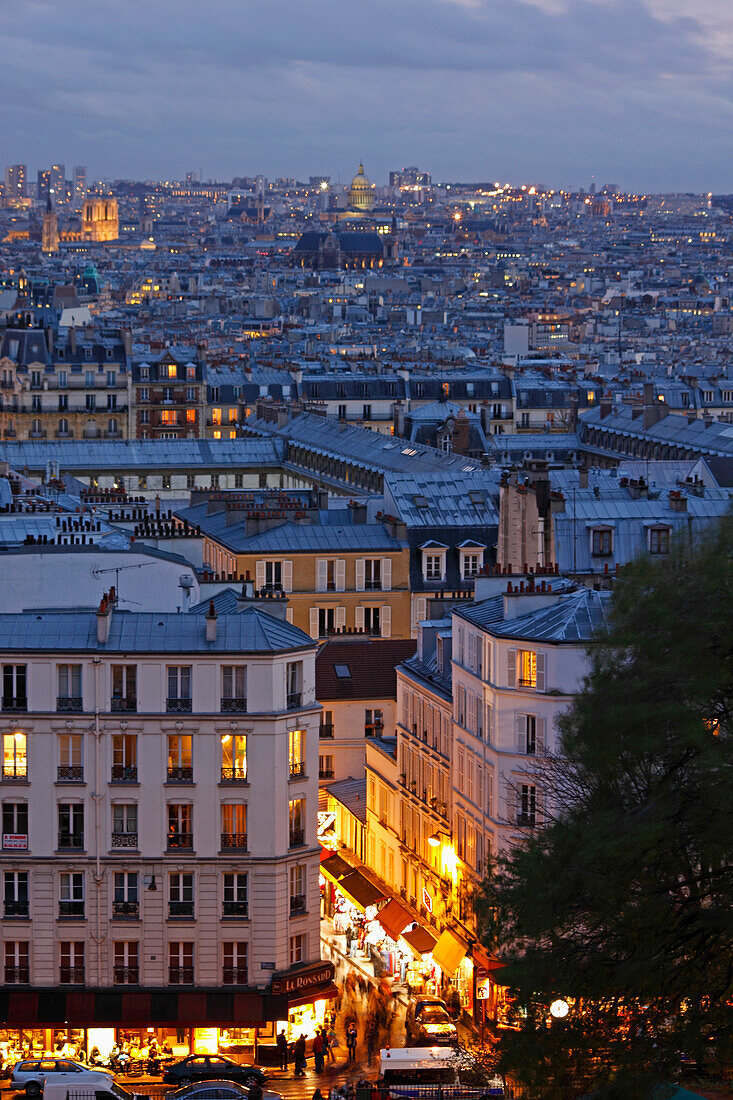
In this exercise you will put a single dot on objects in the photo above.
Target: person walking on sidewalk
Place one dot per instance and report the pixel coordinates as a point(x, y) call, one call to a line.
point(351, 1041)
point(318, 1052)
point(300, 1059)
point(282, 1049)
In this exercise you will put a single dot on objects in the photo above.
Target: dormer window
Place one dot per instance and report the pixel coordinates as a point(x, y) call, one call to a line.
point(171, 370)
point(659, 540)
point(601, 542)
point(471, 555)
point(145, 373)
point(433, 561)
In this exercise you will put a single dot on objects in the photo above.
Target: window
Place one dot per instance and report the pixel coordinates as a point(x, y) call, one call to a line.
point(234, 963)
point(90, 402)
point(273, 575)
point(124, 825)
point(180, 758)
point(180, 963)
point(191, 395)
point(180, 894)
point(297, 949)
point(373, 722)
point(17, 970)
point(234, 758)
point(296, 752)
point(294, 685)
point(180, 825)
point(88, 377)
point(190, 416)
point(530, 669)
point(326, 621)
point(111, 402)
point(111, 378)
point(326, 727)
point(297, 889)
point(235, 899)
point(165, 481)
point(124, 758)
point(143, 394)
point(61, 378)
point(371, 621)
point(179, 689)
point(234, 825)
point(659, 540)
point(216, 416)
point(144, 416)
point(71, 894)
point(126, 963)
point(171, 370)
point(15, 894)
point(15, 697)
point(71, 962)
point(15, 825)
point(434, 567)
point(70, 757)
point(71, 825)
point(296, 810)
point(190, 481)
point(527, 805)
point(125, 903)
point(234, 689)
point(15, 761)
point(530, 734)
point(471, 566)
point(124, 686)
point(325, 767)
point(373, 574)
point(69, 688)
point(341, 410)
point(366, 412)
point(601, 541)
point(64, 403)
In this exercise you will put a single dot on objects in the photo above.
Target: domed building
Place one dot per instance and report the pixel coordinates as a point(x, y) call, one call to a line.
point(361, 193)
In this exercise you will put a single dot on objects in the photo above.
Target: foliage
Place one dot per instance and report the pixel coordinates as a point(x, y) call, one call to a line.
point(622, 902)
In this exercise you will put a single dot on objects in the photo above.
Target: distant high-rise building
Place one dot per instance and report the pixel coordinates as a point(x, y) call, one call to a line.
point(15, 182)
point(57, 183)
point(192, 177)
point(409, 177)
point(80, 185)
point(43, 186)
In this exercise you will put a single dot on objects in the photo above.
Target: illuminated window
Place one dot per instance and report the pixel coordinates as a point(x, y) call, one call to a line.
point(169, 416)
point(171, 370)
point(15, 763)
point(296, 746)
point(217, 435)
point(527, 668)
point(233, 433)
point(216, 416)
point(232, 415)
point(191, 416)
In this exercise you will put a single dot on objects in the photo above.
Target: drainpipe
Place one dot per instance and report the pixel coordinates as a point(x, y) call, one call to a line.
point(96, 799)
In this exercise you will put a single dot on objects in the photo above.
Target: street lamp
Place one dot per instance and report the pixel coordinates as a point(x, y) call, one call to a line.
point(559, 1009)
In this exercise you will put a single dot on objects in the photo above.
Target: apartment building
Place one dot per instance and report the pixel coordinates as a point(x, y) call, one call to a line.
point(159, 804)
point(169, 395)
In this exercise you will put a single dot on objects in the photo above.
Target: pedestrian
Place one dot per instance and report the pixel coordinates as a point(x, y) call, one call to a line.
point(318, 1052)
point(300, 1059)
point(318, 1095)
point(332, 1042)
point(255, 1091)
point(370, 1045)
point(351, 1041)
point(282, 1049)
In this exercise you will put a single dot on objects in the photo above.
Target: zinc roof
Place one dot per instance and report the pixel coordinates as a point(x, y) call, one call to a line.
point(144, 454)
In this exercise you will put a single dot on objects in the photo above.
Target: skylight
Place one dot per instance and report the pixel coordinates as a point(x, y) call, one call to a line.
point(343, 672)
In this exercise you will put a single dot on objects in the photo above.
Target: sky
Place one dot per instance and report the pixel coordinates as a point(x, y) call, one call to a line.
point(556, 92)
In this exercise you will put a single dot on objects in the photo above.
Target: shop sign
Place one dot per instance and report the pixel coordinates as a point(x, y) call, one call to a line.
point(319, 974)
point(427, 900)
point(483, 991)
point(17, 841)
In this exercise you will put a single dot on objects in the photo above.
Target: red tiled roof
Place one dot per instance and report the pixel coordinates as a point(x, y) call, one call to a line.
point(371, 663)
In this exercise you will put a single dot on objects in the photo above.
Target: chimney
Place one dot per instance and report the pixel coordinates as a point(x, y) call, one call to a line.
point(104, 617)
point(677, 501)
point(605, 409)
point(583, 477)
point(211, 623)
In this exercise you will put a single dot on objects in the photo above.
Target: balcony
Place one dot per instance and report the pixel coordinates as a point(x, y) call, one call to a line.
point(124, 773)
point(126, 975)
point(178, 706)
point(15, 704)
point(181, 909)
point(234, 775)
point(70, 773)
point(71, 909)
point(69, 704)
point(376, 729)
point(124, 706)
point(297, 904)
point(235, 909)
point(294, 700)
point(16, 774)
point(125, 910)
point(325, 773)
point(180, 975)
point(71, 975)
point(180, 840)
point(71, 842)
point(326, 730)
point(124, 840)
point(180, 774)
point(234, 975)
point(297, 769)
point(373, 586)
point(233, 840)
point(234, 706)
point(297, 837)
point(17, 975)
point(16, 910)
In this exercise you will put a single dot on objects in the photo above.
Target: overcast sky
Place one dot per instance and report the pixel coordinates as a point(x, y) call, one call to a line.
point(633, 92)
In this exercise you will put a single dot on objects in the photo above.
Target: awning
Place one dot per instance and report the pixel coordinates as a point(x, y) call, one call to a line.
point(394, 918)
point(483, 960)
point(420, 940)
point(326, 994)
point(335, 868)
point(359, 890)
point(449, 951)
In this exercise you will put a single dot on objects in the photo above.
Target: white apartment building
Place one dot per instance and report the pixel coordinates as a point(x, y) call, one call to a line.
point(160, 863)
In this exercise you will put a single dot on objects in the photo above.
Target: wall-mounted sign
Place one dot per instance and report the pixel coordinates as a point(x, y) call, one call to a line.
point(16, 841)
point(267, 966)
point(303, 980)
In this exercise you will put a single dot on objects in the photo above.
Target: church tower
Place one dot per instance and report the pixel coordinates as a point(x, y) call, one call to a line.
point(50, 234)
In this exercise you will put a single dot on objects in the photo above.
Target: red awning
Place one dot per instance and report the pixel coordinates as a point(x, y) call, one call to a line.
point(420, 940)
point(484, 960)
point(394, 918)
point(326, 994)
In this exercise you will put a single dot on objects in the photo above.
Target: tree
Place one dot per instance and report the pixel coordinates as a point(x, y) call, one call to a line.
point(621, 904)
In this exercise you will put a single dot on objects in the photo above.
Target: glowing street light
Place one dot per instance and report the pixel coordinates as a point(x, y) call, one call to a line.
point(559, 1009)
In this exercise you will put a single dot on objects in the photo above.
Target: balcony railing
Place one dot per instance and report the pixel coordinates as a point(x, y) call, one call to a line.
point(234, 706)
point(325, 773)
point(71, 975)
point(124, 773)
point(376, 729)
point(17, 773)
point(234, 975)
point(297, 837)
point(373, 585)
point(17, 975)
point(297, 768)
point(297, 903)
point(71, 841)
point(180, 774)
point(234, 840)
point(180, 840)
point(181, 909)
point(235, 909)
point(124, 706)
point(326, 730)
point(125, 910)
point(234, 775)
point(126, 975)
point(178, 706)
point(124, 840)
point(180, 975)
point(526, 821)
point(69, 704)
point(15, 704)
point(294, 700)
point(526, 682)
point(71, 908)
point(69, 773)
point(16, 909)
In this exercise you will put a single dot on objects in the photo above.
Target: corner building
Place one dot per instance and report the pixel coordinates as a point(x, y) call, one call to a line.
point(159, 853)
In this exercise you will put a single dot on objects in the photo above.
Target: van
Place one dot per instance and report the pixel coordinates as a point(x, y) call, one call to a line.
point(416, 1071)
point(94, 1087)
point(31, 1073)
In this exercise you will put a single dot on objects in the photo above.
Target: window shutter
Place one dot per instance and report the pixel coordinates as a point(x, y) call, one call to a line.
point(314, 622)
point(360, 585)
point(386, 574)
point(288, 615)
point(421, 607)
point(512, 668)
point(260, 574)
point(321, 575)
point(287, 575)
point(490, 793)
point(359, 618)
point(541, 738)
point(479, 800)
point(340, 618)
point(386, 618)
point(340, 575)
point(540, 671)
point(520, 730)
point(488, 730)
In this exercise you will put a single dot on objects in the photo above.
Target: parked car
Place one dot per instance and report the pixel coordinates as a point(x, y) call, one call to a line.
point(211, 1067)
point(31, 1074)
point(88, 1087)
point(428, 1023)
point(216, 1090)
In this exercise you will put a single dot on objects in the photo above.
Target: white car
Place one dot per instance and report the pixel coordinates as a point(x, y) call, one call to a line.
point(30, 1074)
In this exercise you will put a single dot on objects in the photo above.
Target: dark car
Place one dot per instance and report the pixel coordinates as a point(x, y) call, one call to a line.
point(216, 1090)
point(428, 1023)
point(211, 1067)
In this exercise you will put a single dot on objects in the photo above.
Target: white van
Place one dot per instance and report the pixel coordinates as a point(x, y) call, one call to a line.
point(406, 1069)
point(95, 1086)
